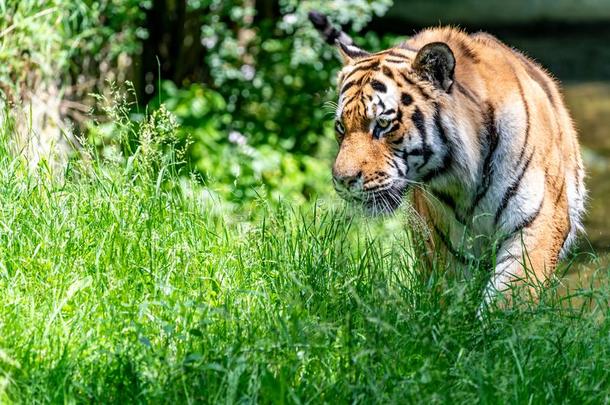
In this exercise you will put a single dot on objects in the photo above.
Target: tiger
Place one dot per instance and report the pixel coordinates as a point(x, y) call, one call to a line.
point(480, 135)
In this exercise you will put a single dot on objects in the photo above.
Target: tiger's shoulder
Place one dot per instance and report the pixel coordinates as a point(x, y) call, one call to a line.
point(537, 152)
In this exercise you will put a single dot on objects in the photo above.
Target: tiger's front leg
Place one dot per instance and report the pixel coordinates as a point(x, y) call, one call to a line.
point(529, 256)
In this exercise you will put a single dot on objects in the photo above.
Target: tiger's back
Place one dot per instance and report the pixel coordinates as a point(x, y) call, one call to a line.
point(529, 159)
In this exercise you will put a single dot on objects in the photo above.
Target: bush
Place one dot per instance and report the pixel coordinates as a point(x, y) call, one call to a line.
point(276, 74)
point(260, 123)
point(250, 95)
point(74, 44)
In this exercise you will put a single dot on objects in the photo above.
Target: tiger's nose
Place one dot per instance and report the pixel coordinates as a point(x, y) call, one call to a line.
point(349, 181)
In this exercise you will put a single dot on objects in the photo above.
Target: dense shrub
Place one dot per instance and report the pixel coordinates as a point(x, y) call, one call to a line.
point(73, 44)
point(269, 80)
point(249, 81)
point(275, 74)
point(254, 110)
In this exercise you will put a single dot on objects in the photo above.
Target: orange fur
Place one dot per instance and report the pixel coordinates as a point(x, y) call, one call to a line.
point(502, 117)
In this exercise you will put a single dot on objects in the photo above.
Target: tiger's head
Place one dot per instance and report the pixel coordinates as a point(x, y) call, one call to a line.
point(387, 122)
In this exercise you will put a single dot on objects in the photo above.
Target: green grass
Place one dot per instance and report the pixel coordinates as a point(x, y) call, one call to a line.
point(115, 290)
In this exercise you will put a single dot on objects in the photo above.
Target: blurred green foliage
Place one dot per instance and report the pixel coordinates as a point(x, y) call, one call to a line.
point(72, 44)
point(259, 126)
point(228, 163)
point(249, 83)
point(275, 75)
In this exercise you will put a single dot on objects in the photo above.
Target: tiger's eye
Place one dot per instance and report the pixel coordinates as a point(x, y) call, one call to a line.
point(382, 122)
point(339, 127)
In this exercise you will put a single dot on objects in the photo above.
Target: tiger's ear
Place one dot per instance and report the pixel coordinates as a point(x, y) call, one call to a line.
point(348, 51)
point(435, 62)
point(351, 53)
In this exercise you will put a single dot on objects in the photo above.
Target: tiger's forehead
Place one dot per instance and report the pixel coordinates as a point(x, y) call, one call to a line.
point(386, 61)
point(374, 83)
point(369, 99)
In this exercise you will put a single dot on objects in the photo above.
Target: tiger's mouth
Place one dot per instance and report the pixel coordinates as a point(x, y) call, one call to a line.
point(377, 201)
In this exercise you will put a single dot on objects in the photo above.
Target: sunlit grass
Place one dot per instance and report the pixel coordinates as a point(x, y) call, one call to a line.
point(115, 290)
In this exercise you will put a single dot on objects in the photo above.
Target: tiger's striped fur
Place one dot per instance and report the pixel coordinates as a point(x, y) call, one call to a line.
point(482, 131)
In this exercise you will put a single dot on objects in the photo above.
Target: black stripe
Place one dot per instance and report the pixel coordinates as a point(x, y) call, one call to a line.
point(396, 166)
point(349, 85)
point(529, 220)
point(394, 128)
point(390, 60)
point(469, 52)
point(351, 99)
point(363, 61)
point(445, 199)
point(491, 144)
point(561, 189)
point(465, 91)
point(418, 119)
point(390, 111)
point(378, 86)
point(512, 190)
point(505, 259)
point(357, 69)
point(373, 61)
point(404, 156)
point(388, 72)
point(527, 120)
point(398, 141)
point(414, 152)
point(407, 79)
point(448, 157)
point(447, 242)
point(412, 83)
point(445, 165)
point(406, 99)
point(439, 125)
point(536, 75)
point(397, 54)
point(449, 201)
